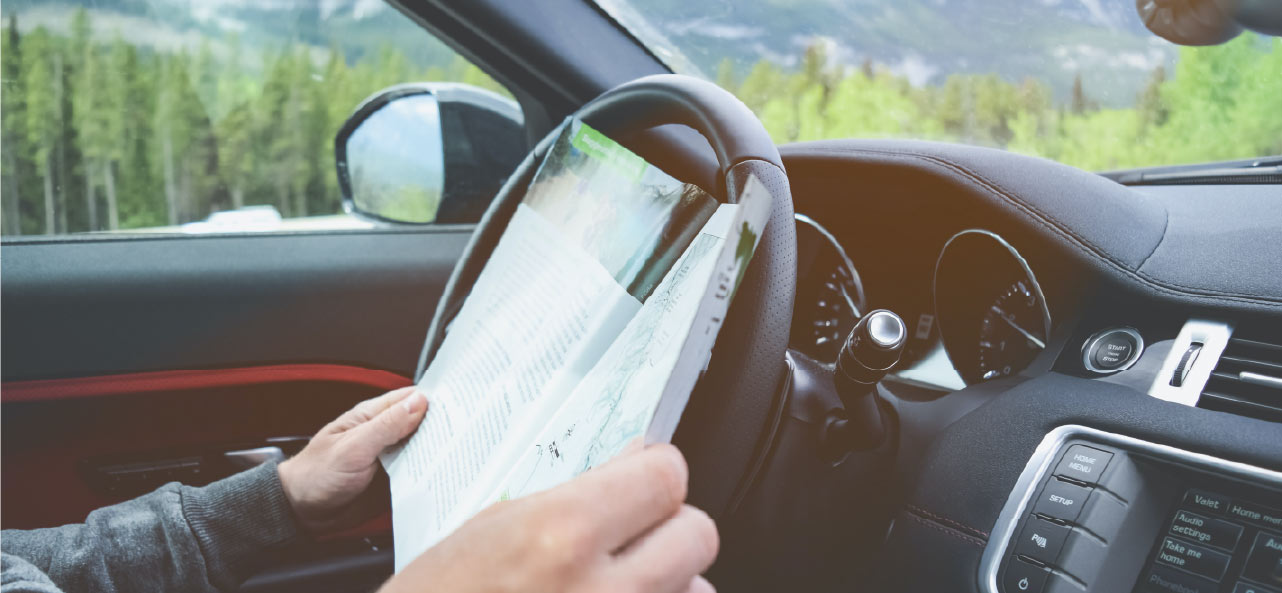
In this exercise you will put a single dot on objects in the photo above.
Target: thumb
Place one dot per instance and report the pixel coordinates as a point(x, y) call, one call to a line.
point(388, 427)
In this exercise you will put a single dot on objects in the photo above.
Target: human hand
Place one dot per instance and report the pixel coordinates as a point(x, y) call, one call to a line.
point(326, 480)
point(619, 527)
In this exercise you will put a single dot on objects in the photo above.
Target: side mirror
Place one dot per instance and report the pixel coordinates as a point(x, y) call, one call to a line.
point(428, 153)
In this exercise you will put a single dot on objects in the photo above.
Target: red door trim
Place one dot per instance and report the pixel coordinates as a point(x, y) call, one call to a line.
point(55, 389)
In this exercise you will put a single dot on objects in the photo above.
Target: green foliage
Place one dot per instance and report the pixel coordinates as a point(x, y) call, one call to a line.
point(1221, 103)
point(104, 135)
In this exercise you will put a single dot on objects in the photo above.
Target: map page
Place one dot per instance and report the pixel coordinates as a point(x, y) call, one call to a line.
point(608, 277)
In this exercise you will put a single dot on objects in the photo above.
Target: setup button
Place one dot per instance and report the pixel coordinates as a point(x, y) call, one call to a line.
point(1061, 500)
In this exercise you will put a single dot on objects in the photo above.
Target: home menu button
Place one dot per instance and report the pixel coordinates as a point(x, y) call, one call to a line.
point(1083, 464)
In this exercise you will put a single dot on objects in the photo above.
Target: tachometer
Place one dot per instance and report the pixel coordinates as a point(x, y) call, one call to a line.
point(991, 311)
point(830, 296)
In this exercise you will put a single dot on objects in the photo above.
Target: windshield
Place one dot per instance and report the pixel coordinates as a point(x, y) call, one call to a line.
point(1077, 81)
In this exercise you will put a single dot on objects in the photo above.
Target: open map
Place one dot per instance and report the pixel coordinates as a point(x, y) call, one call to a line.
point(587, 329)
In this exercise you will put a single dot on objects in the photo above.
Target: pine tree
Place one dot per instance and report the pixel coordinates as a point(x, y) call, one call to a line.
point(88, 111)
point(1079, 101)
point(43, 116)
point(12, 127)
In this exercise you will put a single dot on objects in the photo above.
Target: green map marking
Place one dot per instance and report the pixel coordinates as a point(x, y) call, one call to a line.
point(602, 147)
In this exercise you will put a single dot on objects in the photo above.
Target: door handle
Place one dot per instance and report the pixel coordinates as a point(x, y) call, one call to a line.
point(121, 476)
point(275, 449)
point(243, 459)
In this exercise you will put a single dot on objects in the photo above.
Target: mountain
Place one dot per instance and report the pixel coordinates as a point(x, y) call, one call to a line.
point(360, 28)
point(923, 40)
point(1102, 41)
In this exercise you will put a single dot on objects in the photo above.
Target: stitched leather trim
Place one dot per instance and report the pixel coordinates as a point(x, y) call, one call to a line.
point(947, 530)
point(951, 523)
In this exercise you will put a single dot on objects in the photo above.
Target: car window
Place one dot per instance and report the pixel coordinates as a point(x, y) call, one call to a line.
point(1082, 83)
point(195, 116)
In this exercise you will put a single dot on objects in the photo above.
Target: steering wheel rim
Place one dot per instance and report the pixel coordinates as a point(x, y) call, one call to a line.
point(729, 423)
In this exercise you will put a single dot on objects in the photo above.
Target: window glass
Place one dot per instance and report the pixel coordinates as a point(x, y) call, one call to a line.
point(194, 116)
point(1081, 82)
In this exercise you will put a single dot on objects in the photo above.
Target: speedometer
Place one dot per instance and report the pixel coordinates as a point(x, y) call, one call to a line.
point(1010, 332)
point(991, 311)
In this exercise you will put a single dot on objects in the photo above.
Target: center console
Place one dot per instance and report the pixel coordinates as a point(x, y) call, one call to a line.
point(1101, 512)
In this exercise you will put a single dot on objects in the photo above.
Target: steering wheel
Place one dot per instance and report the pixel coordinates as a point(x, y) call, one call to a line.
point(729, 421)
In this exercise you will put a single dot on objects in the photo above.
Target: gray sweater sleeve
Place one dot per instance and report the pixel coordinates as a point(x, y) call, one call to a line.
point(178, 538)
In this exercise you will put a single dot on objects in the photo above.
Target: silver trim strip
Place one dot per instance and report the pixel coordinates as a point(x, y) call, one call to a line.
point(1039, 465)
point(1214, 337)
point(1259, 379)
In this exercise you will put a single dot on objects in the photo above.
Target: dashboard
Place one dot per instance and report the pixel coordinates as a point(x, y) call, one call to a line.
point(1050, 313)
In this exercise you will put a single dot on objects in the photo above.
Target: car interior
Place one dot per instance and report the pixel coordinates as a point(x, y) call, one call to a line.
point(950, 367)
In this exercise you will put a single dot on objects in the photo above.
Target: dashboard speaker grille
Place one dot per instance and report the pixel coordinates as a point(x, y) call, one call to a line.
point(1247, 380)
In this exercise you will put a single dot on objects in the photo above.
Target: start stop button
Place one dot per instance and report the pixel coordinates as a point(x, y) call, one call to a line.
point(1112, 350)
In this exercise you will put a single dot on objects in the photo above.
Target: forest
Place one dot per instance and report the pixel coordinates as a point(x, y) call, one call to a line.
point(104, 135)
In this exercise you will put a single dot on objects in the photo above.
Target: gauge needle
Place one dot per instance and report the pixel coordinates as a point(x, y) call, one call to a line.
point(1027, 334)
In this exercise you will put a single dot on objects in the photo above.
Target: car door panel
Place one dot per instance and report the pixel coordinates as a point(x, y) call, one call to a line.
point(87, 451)
point(82, 307)
point(132, 362)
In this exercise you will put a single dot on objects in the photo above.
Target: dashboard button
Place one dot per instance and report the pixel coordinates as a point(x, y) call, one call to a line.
point(1193, 558)
point(1264, 565)
point(1260, 515)
point(1023, 577)
point(1103, 515)
point(1205, 530)
point(1245, 587)
point(1061, 500)
point(1112, 350)
point(1083, 557)
point(1166, 579)
point(1083, 464)
point(1207, 501)
point(1041, 540)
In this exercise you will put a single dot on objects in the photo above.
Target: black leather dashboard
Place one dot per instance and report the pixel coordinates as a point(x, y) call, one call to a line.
point(1149, 257)
point(1215, 251)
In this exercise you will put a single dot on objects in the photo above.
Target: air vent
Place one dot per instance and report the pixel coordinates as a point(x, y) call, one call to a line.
point(1247, 380)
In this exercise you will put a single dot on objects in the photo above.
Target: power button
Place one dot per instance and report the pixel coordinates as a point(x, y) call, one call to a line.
point(1023, 577)
point(1112, 350)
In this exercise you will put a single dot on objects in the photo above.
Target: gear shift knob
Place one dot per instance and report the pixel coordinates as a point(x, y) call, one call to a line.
point(872, 349)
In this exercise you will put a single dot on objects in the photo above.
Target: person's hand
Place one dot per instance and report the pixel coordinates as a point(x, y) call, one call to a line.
point(325, 481)
point(619, 527)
